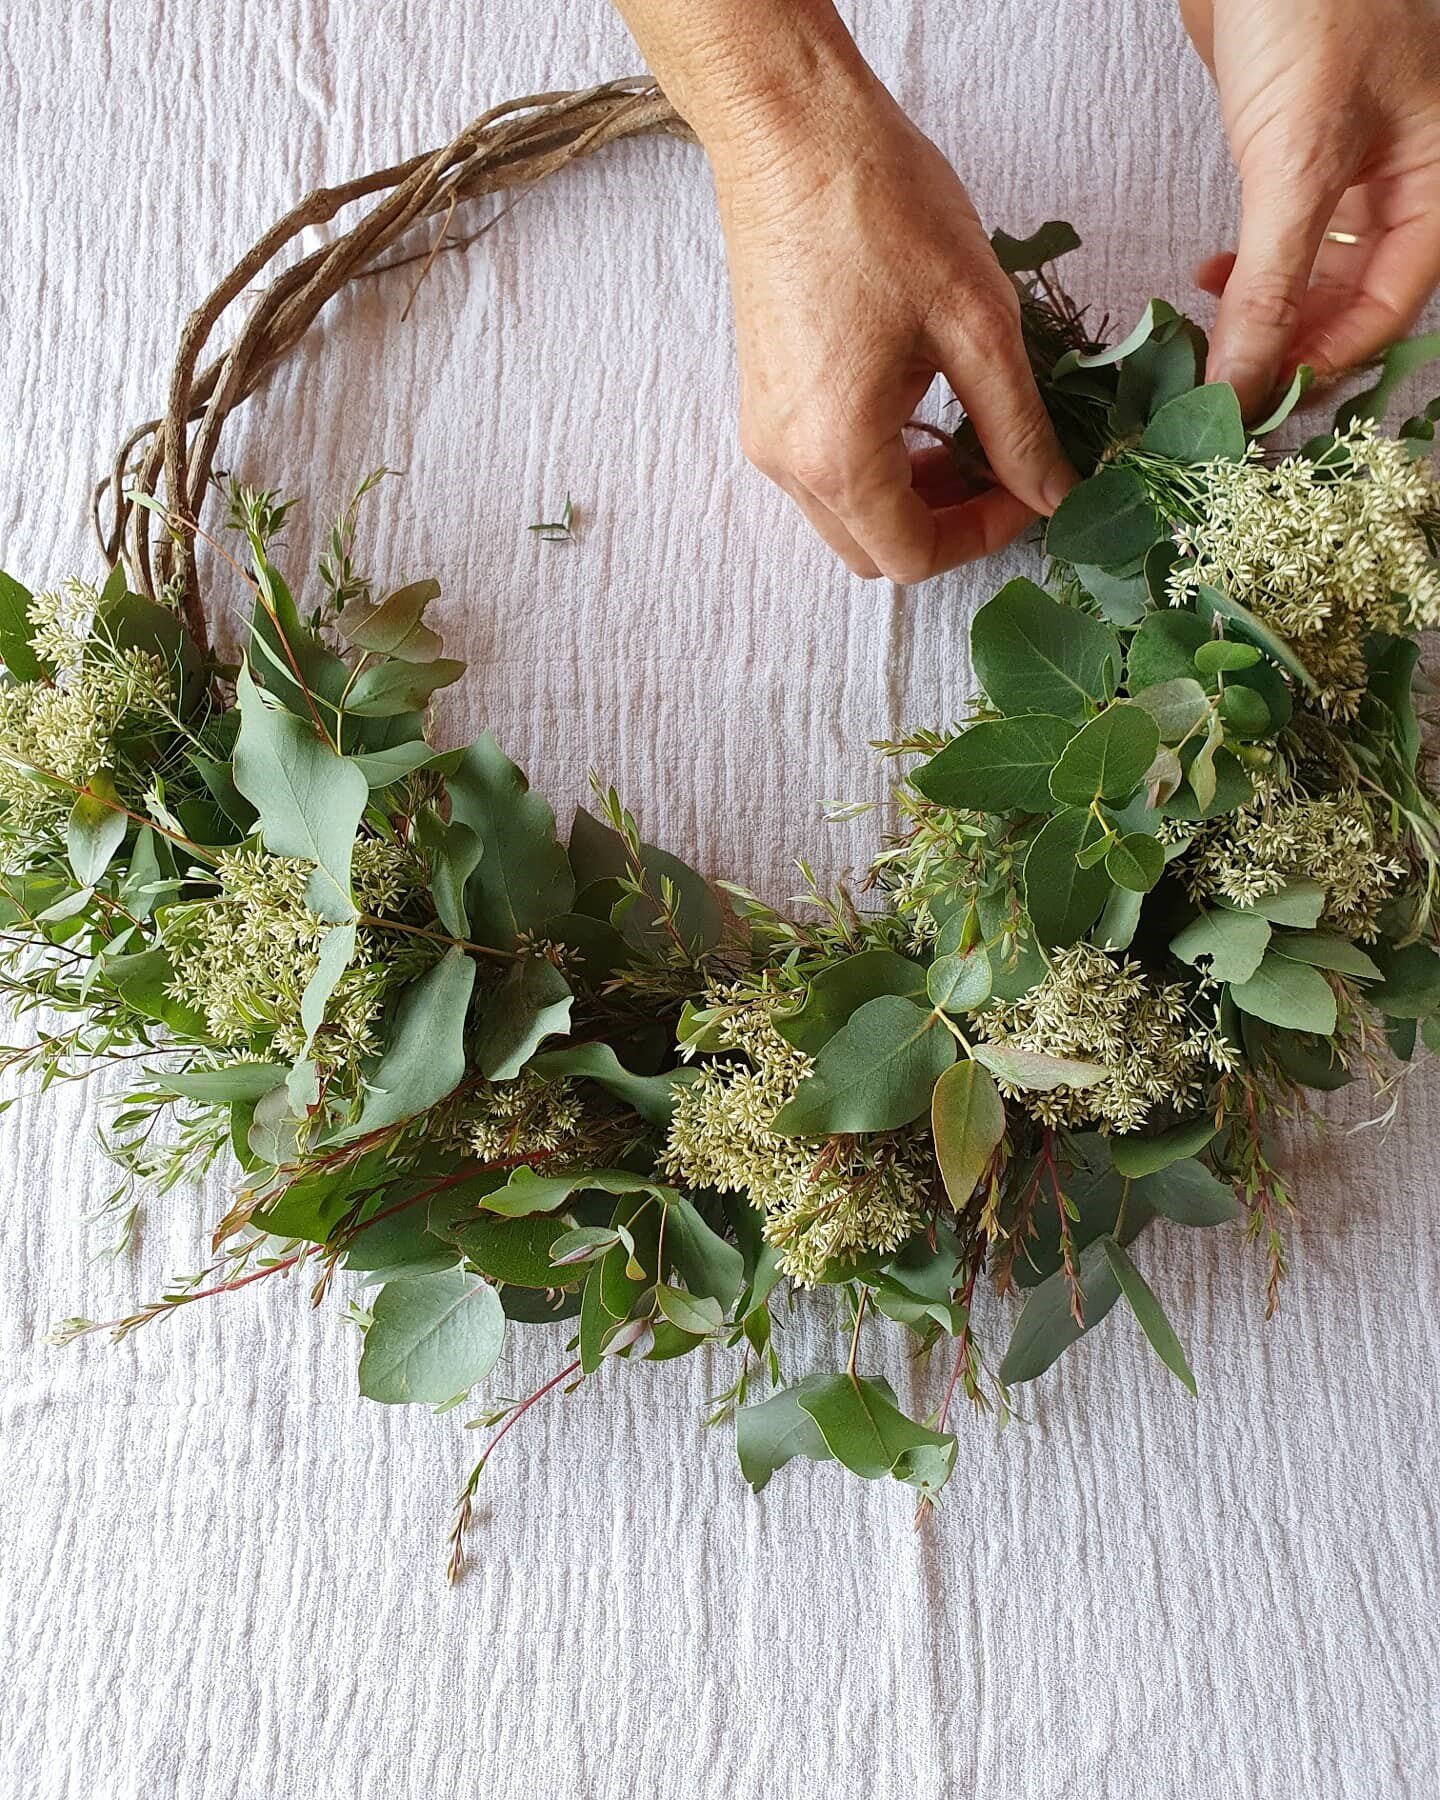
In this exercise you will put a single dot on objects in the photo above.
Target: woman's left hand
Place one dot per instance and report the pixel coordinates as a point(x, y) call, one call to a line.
point(1332, 110)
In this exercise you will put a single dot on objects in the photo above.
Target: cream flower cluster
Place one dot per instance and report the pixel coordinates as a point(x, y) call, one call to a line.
point(821, 1199)
point(245, 957)
point(525, 1117)
point(1322, 555)
point(1095, 1008)
point(1284, 837)
point(67, 728)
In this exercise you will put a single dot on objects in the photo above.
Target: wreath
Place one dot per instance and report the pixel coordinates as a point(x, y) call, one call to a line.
point(1174, 870)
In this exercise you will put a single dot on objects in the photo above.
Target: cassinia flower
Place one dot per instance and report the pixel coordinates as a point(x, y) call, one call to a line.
point(1284, 837)
point(525, 1117)
point(821, 1198)
point(1096, 1008)
point(245, 957)
point(1322, 555)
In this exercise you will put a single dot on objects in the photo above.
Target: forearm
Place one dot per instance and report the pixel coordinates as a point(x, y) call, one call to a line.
point(749, 74)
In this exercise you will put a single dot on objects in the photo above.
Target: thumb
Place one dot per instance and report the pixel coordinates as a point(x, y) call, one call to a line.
point(1283, 217)
point(982, 355)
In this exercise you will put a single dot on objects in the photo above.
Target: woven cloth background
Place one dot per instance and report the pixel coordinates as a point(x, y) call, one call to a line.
point(221, 1569)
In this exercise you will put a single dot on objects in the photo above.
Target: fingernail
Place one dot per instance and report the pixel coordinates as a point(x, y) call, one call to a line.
point(1058, 484)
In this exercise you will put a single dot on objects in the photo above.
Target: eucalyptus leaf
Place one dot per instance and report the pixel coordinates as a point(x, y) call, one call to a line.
point(1157, 317)
point(452, 853)
point(395, 626)
point(838, 991)
point(1258, 633)
point(865, 1430)
point(389, 688)
point(17, 632)
point(424, 1055)
point(776, 1431)
point(1187, 1193)
point(1148, 1311)
point(532, 1003)
point(1136, 862)
point(1106, 759)
point(997, 766)
point(1177, 706)
point(652, 1096)
point(1201, 426)
point(1287, 993)
point(337, 952)
point(1397, 364)
point(1135, 1156)
point(95, 829)
point(1107, 519)
point(1047, 1328)
point(523, 877)
point(308, 797)
point(1233, 943)
point(1035, 1071)
point(959, 983)
point(1033, 654)
point(876, 1074)
point(1287, 402)
point(432, 1337)
point(1062, 899)
point(1223, 655)
point(711, 1266)
point(967, 1117)
point(1324, 951)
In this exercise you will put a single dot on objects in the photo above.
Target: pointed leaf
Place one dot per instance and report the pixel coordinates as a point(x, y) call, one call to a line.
point(839, 990)
point(309, 798)
point(531, 1003)
point(1107, 758)
point(1288, 993)
point(1148, 1311)
point(424, 1057)
point(1000, 765)
point(776, 1431)
point(524, 875)
point(967, 1116)
point(1036, 1072)
point(1033, 654)
point(95, 830)
point(1046, 1327)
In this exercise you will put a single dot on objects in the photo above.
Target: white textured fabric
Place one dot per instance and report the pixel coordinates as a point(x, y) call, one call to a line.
point(221, 1569)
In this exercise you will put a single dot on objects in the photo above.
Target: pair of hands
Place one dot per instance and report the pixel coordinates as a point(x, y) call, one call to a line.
point(860, 270)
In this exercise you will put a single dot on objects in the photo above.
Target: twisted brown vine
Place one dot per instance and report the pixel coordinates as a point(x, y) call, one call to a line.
point(512, 146)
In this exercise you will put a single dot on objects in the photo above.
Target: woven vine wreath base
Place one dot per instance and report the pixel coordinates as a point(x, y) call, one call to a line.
point(509, 148)
point(1177, 871)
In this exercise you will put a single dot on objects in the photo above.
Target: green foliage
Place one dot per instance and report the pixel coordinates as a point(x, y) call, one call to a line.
point(531, 1003)
point(967, 1117)
point(1062, 896)
point(876, 1074)
point(838, 991)
point(999, 766)
point(1107, 758)
point(424, 1057)
point(1034, 655)
point(308, 797)
point(1181, 861)
point(17, 633)
point(523, 876)
point(432, 1338)
point(1109, 520)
